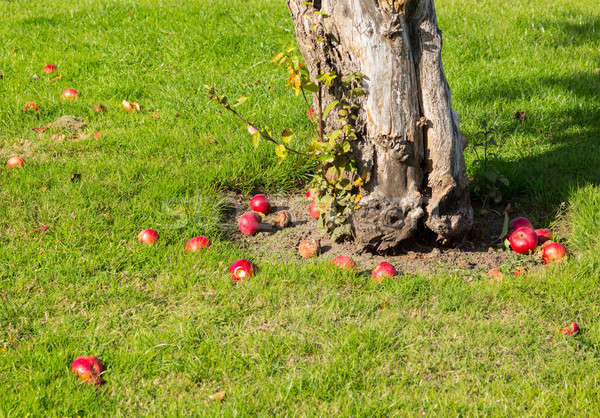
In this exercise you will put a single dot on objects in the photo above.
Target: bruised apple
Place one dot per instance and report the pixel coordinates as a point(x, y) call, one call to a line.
point(15, 162)
point(69, 94)
point(241, 270)
point(88, 369)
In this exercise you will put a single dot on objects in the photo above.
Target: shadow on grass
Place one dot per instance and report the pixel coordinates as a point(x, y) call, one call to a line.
point(540, 182)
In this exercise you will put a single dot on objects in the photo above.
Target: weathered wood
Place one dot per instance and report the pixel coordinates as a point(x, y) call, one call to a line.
point(409, 139)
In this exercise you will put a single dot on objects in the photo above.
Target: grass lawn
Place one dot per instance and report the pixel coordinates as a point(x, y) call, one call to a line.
point(296, 339)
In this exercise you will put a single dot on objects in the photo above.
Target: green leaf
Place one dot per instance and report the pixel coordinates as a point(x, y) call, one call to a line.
point(330, 107)
point(240, 101)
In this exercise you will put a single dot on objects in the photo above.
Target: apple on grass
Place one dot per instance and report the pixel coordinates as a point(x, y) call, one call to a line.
point(148, 236)
point(343, 262)
point(571, 329)
point(259, 203)
point(88, 369)
point(553, 251)
point(197, 243)
point(544, 234)
point(520, 222)
point(50, 68)
point(241, 270)
point(523, 240)
point(249, 223)
point(383, 270)
point(69, 94)
point(15, 162)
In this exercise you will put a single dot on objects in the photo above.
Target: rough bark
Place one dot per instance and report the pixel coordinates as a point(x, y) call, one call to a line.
point(409, 138)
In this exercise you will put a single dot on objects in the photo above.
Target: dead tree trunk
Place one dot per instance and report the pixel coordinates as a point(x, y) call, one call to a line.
point(409, 139)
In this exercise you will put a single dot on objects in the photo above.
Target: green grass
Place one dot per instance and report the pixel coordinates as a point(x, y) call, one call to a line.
point(294, 340)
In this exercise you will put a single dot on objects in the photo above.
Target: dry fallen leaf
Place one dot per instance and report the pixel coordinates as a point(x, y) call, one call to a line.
point(31, 106)
point(156, 114)
point(58, 137)
point(41, 228)
point(58, 77)
point(219, 396)
point(41, 129)
point(100, 108)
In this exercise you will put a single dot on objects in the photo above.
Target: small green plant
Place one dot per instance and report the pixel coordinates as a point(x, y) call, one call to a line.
point(336, 182)
point(487, 181)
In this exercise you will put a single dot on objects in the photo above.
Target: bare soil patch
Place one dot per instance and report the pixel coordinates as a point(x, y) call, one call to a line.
point(481, 251)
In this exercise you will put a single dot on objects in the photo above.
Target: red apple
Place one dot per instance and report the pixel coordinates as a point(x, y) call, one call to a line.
point(314, 210)
point(241, 270)
point(197, 243)
point(148, 236)
point(89, 369)
point(50, 68)
point(544, 235)
point(15, 162)
point(249, 223)
point(310, 195)
point(343, 262)
point(517, 223)
point(69, 94)
point(383, 270)
point(570, 330)
point(553, 251)
point(260, 203)
point(523, 240)
point(495, 274)
point(126, 105)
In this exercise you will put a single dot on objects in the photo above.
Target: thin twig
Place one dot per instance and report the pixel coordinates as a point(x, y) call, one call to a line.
point(262, 133)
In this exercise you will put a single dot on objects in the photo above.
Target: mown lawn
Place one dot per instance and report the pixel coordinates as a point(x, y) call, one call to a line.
point(297, 340)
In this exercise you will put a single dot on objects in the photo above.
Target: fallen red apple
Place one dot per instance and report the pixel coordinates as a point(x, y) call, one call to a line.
point(15, 162)
point(383, 270)
point(126, 105)
point(249, 223)
point(310, 195)
point(495, 274)
point(89, 369)
point(314, 210)
point(31, 106)
point(523, 240)
point(517, 223)
point(50, 68)
point(69, 94)
point(260, 203)
point(148, 236)
point(571, 329)
point(197, 243)
point(553, 251)
point(241, 270)
point(343, 262)
point(544, 235)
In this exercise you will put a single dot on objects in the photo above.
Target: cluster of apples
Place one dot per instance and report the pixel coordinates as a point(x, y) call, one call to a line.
point(524, 239)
